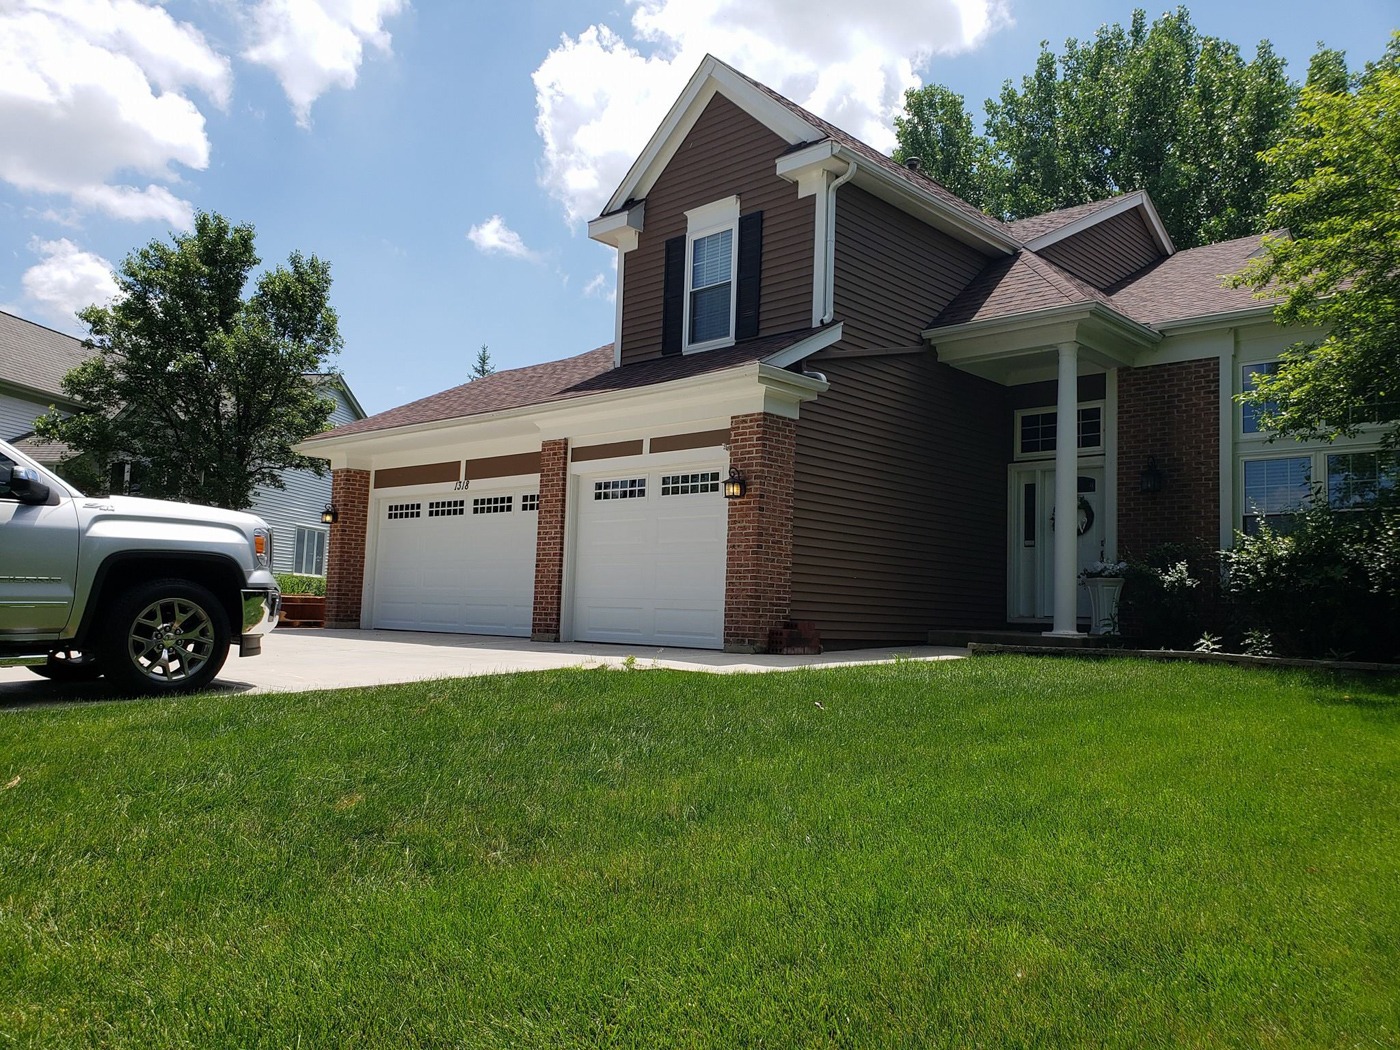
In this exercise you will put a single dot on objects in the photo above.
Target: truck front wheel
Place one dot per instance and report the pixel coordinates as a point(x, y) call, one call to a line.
point(166, 636)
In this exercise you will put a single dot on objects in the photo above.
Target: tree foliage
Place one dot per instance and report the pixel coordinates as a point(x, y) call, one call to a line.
point(1156, 107)
point(206, 389)
point(1339, 270)
point(482, 366)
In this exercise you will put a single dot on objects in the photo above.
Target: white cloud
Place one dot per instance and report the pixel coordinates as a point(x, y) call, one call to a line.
point(315, 45)
point(94, 90)
point(598, 288)
point(599, 96)
point(494, 235)
point(66, 280)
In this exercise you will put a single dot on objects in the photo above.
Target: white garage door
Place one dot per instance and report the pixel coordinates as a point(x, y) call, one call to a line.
point(463, 563)
point(650, 558)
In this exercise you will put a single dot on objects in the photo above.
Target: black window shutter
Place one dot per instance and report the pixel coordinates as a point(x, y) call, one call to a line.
point(750, 268)
point(673, 297)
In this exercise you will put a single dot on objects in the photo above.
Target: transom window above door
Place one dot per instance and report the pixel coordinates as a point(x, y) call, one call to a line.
point(1035, 431)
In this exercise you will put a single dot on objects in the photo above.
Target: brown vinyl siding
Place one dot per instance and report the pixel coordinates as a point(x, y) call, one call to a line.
point(422, 474)
point(726, 153)
point(503, 466)
point(612, 450)
point(1106, 253)
point(899, 509)
point(893, 273)
point(697, 439)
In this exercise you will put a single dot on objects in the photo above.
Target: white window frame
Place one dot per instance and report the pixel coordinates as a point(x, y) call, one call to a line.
point(702, 222)
point(1318, 477)
point(325, 545)
point(1240, 372)
point(1084, 451)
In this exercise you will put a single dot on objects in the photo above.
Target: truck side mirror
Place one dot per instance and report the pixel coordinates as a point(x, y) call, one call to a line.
point(23, 484)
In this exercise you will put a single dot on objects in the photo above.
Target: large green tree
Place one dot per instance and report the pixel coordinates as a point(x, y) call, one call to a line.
point(1338, 270)
point(205, 388)
point(1158, 107)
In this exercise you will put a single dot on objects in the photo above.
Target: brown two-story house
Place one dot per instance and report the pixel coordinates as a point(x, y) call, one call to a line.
point(897, 390)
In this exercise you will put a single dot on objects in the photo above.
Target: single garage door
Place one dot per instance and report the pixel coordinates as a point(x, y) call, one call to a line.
point(650, 558)
point(461, 563)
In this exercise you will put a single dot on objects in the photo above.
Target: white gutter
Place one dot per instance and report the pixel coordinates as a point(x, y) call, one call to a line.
point(830, 296)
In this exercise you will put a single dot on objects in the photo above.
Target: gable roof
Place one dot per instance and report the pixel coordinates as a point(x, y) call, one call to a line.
point(1031, 227)
point(1190, 284)
point(1022, 283)
point(800, 128)
point(36, 357)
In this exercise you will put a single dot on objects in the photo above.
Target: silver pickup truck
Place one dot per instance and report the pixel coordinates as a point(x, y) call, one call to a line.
point(147, 593)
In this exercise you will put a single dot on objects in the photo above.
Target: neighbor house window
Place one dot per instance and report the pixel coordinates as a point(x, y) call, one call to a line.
point(309, 551)
point(711, 244)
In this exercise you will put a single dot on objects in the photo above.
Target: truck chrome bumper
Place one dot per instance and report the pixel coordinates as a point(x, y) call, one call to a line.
point(259, 617)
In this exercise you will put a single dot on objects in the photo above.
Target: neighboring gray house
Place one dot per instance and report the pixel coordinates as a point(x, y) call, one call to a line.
point(33, 362)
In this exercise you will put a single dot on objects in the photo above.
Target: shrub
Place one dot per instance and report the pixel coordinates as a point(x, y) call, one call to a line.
point(297, 583)
point(1324, 586)
point(1163, 600)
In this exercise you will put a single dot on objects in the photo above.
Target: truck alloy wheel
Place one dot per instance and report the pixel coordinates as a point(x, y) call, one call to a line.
point(165, 636)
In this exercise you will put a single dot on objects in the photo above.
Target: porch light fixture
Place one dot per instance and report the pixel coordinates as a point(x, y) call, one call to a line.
point(1150, 480)
point(734, 485)
point(330, 515)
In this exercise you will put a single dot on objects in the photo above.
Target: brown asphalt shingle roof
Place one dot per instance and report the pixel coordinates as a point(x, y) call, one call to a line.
point(1189, 284)
point(37, 357)
point(1017, 284)
point(590, 373)
point(1031, 227)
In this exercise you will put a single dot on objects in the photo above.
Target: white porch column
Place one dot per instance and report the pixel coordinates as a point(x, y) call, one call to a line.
point(1067, 493)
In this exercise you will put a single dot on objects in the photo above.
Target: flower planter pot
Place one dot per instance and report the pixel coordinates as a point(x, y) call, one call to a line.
point(302, 610)
point(1103, 603)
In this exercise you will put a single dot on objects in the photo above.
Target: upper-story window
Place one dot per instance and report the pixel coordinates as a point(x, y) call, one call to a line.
point(1251, 414)
point(712, 245)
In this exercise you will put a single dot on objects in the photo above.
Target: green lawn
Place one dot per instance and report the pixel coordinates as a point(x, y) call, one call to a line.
point(996, 852)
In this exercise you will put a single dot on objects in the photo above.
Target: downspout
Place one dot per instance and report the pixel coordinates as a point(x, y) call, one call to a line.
point(831, 240)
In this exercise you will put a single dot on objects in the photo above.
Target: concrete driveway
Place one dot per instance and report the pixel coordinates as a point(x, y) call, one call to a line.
point(297, 660)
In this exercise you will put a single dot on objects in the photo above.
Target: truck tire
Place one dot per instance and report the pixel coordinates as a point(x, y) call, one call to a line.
point(166, 636)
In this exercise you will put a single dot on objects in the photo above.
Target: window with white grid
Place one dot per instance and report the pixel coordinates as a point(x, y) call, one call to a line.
point(405, 510)
point(492, 504)
point(530, 501)
point(689, 484)
point(621, 488)
point(446, 508)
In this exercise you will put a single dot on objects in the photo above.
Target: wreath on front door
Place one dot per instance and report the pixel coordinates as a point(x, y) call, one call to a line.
point(1086, 517)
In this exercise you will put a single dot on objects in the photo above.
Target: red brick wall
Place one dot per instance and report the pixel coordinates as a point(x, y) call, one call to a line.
point(758, 581)
point(1171, 412)
point(345, 560)
point(549, 543)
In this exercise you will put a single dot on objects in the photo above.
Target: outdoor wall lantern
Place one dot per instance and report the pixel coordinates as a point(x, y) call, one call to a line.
point(1151, 478)
point(734, 485)
point(330, 515)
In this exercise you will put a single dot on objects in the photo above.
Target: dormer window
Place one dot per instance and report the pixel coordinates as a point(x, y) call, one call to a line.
point(712, 245)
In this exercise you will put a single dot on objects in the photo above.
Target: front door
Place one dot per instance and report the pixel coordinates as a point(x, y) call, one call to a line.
point(1031, 572)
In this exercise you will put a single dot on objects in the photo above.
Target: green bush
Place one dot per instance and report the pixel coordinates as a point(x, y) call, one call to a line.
point(1163, 600)
point(297, 583)
point(1324, 586)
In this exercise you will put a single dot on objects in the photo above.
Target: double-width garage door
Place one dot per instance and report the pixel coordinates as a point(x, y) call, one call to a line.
point(649, 558)
point(460, 562)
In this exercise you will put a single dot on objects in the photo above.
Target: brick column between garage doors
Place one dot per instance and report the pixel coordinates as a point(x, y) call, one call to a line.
point(549, 542)
point(758, 579)
point(345, 561)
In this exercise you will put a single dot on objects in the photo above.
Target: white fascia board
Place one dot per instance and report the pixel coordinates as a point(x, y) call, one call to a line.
point(1125, 203)
point(923, 205)
point(1069, 312)
point(806, 348)
point(800, 165)
point(620, 228)
point(1224, 319)
point(711, 78)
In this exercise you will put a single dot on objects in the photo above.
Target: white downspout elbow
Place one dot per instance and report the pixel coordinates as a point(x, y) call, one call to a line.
point(831, 240)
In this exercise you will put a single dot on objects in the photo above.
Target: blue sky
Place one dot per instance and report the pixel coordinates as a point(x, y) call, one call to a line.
point(444, 156)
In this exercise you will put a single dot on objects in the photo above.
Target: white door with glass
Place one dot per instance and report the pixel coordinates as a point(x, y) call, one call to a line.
point(1034, 521)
